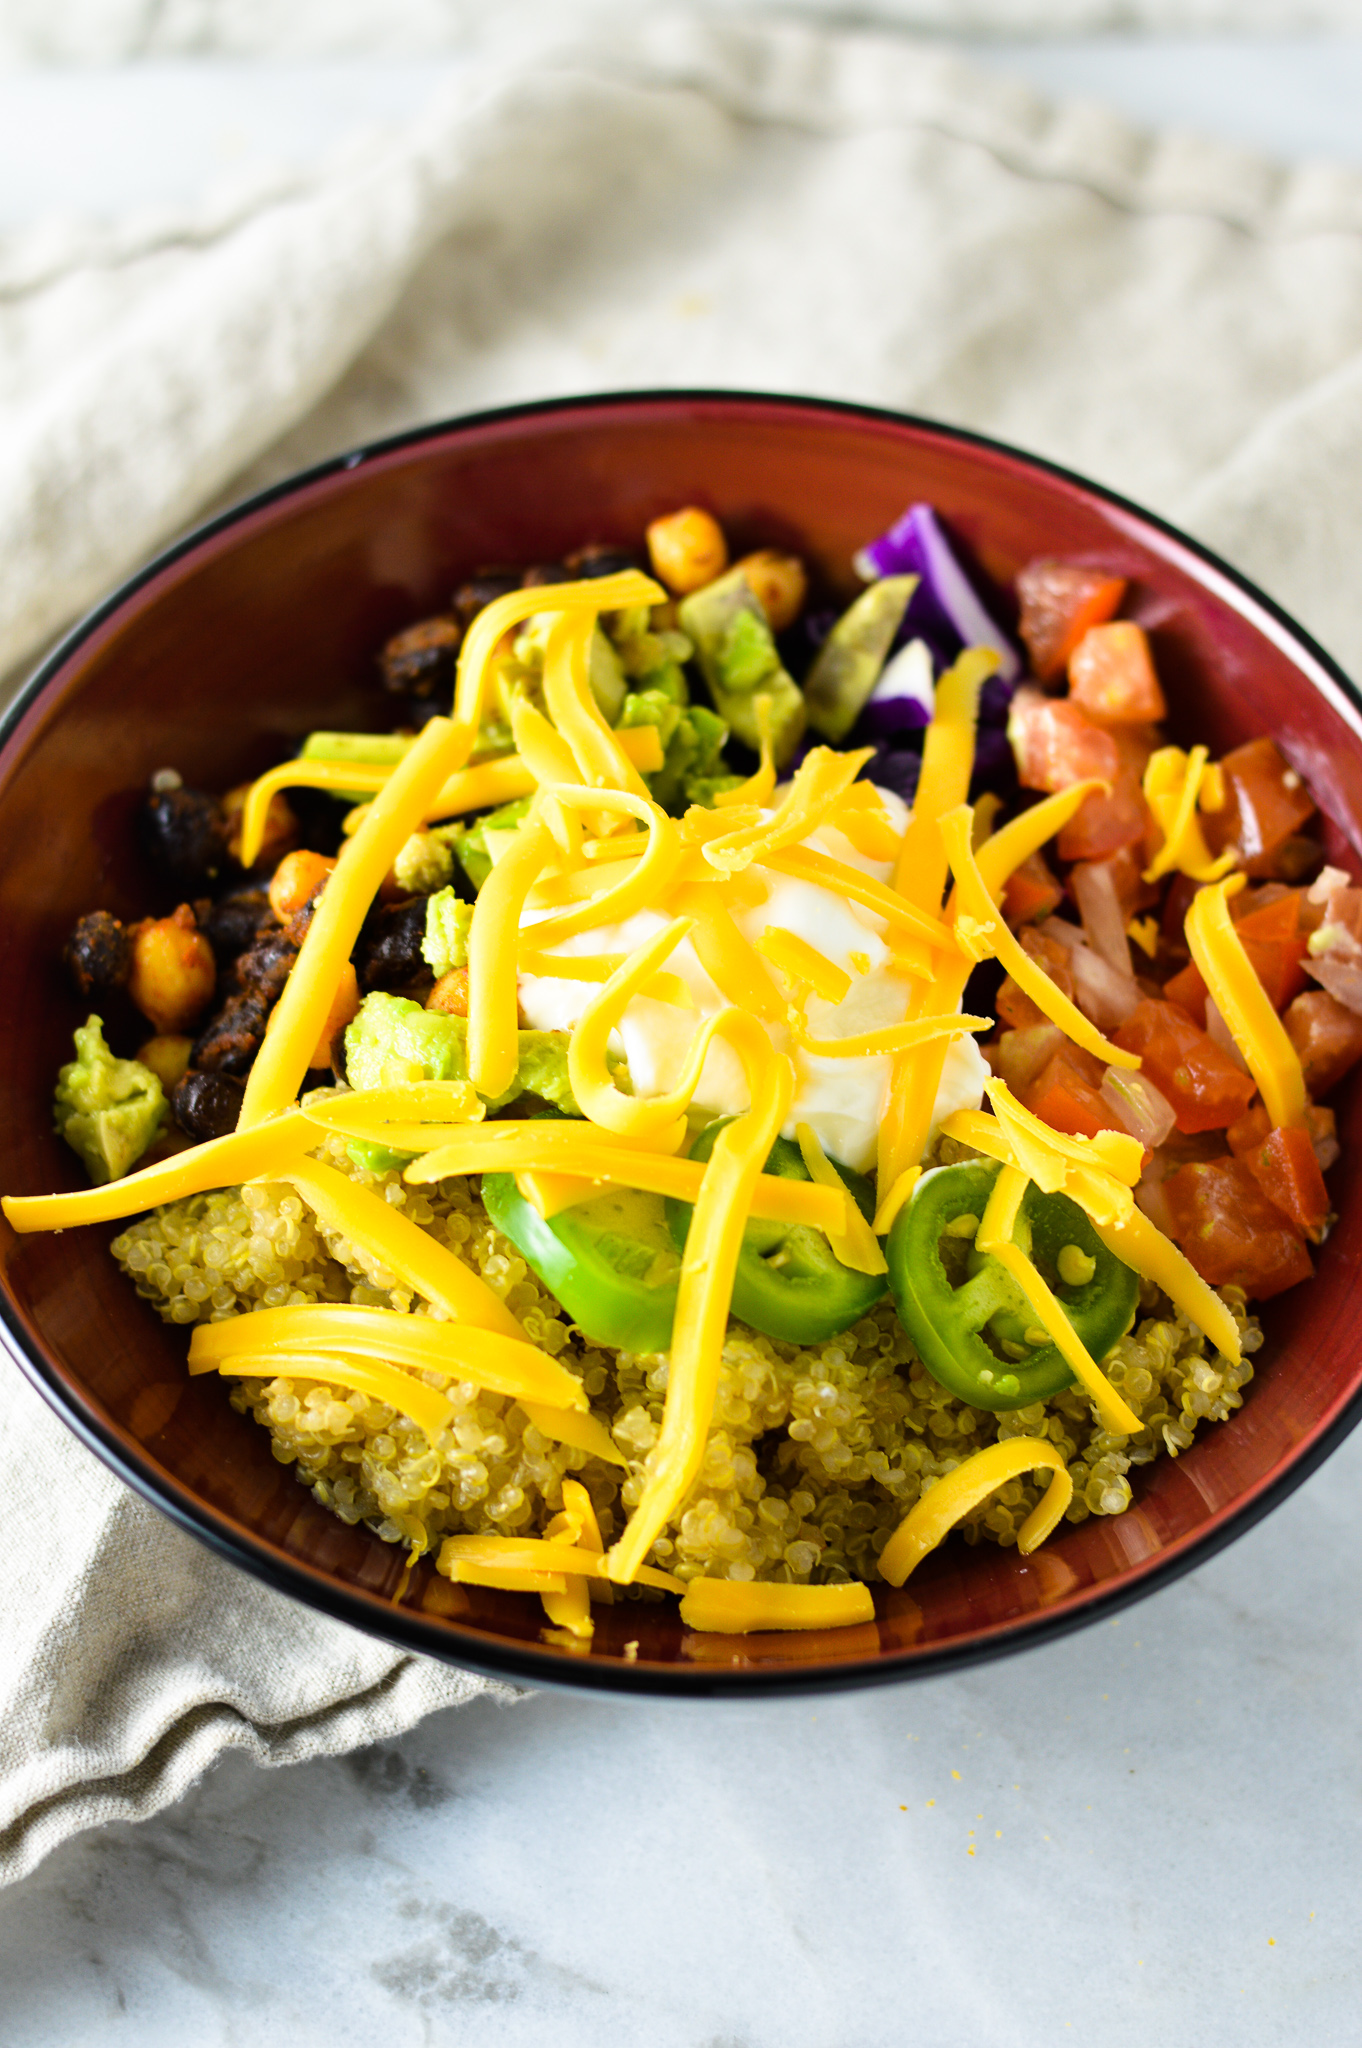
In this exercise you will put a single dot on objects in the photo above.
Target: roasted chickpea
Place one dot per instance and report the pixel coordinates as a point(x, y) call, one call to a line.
point(450, 993)
point(779, 585)
point(296, 881)
point(344, 1004)
point(168, 1057)
point(173, 970)
point(687, 549)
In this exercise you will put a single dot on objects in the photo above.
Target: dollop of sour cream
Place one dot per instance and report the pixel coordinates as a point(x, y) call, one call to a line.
point(842, 1100)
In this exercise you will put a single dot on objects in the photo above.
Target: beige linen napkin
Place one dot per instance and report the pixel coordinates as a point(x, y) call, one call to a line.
point(679, 201)
point(107, 31)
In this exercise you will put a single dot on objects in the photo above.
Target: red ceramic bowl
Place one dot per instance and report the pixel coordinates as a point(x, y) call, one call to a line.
point(265, 623)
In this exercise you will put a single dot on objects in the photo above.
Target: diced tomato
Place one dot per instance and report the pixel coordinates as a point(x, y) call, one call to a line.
point(1266, 803)
point(1289, 906)
point(1066, 1094)
point(1327, 1036)
point(1055, 745)
point(1103, 825)
point(1111, 676)
point(1012, 1003)
point(1276, 962)
point(1287, 1171)
point(1205, 1089)
point(1059, 602)
point(1248, 1130)
point(1231, 1232)
point(1018, 1056)
point(1031, 891)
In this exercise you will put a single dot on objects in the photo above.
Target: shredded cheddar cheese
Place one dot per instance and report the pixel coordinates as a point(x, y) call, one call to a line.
point(964, 1489)
point(574, 1426)
point(480, 642)
point(1172, 782)
point(588, 1156)
point(994, 1237)
point(799, 960)
point(705, 1290)
point(504, 1365)
point(895, 1199)
point(601, 761)
point(427, 1407)
point(820, 779)
point(298, 1016)
point(759, 787)
point(219, 1163)
point(493, 1023)
point(1245, 1005)
point(1029, 976)
point(577, 1524)
point(411, 1255)
point(947, 764)
point(461, 1557)
point(733, 1607)
point(854, 1242)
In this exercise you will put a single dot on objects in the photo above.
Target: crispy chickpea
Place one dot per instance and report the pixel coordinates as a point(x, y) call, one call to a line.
point(168, 1057)
point(687, 549)
point(779, 585)
point(173, 970)
point(450, 993)
point(281, 827)
point(296, 881)
point(344, 1005)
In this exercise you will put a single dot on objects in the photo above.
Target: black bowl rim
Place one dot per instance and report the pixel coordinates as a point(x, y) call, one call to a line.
point(543, 1668)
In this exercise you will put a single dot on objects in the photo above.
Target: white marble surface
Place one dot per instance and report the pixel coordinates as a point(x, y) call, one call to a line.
point(1143, 1834)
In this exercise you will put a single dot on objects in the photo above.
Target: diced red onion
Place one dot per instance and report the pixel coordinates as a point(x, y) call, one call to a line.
point(916, 544)
point(1094, 888)
point(904, 696)
point(1219, 1030)
point(1342, 978)
point(1150, 1197)
point(1100, 992)
point(1146, 1113)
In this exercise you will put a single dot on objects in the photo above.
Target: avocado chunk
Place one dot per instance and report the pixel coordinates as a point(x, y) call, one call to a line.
point(848, 664)
point(738, 659)
point(448, 922)
point(393, 1031)
point(692, 738)
point(107, 1109)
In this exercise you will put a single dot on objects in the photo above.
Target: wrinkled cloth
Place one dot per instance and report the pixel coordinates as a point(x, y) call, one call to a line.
point(113, 31)
point(678, 201)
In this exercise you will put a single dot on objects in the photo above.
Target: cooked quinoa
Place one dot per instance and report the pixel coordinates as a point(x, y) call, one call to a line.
point(814, 1456)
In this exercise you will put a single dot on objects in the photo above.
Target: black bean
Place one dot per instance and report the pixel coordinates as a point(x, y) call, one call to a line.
point(420, 662)
point(485, 584)
point(98, 954)
point(234, 923)
point(206, 1105)
point(232, 1037)
point(389, 952)
point(266, 966)
point(185, 832)
point(544, 572)
point(601, 559)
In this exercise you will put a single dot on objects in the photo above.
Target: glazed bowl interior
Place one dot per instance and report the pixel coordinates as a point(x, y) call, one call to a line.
point(265, 625)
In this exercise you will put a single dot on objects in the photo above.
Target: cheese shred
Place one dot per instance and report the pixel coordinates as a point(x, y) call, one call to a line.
point(966, 1488)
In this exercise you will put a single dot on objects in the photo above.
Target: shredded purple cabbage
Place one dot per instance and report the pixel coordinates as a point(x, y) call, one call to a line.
point(945, 604)
point(902, 699)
